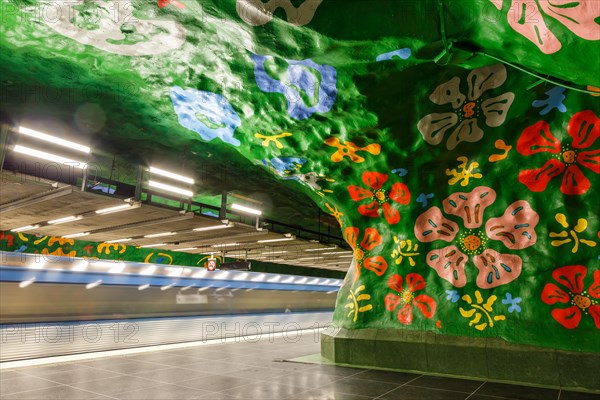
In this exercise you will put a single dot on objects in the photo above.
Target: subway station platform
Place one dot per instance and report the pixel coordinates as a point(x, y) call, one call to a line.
point(242, 368)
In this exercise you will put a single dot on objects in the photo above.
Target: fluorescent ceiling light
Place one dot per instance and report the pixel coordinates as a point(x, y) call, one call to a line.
point(54, 140)
point(64, 220)
point(74, 235)
point(349, 255)
point(203, 289)
point(117, 269)
point(168, 286)
point(118, 240)
point(25, 228)
point(160, 234)
point(225, 245)
point(210, 228)
point(50, 157)
point(274, 252)
point(275, 240)
point(186, 288)
point(149, 270)
point(338, 252)
point(144, 287)
point(246, 209)
point(187, 248)
point(170, 188)
point(322, 248)
point(123, 207)
point(153, 245)
point(26, 283)
point(309, 258)
point(93, 284)
point(162, 172)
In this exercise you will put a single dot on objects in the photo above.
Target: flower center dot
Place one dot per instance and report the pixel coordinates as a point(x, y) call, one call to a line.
point(380, 195)
point(468, 109)
point(582, 302)
point(472, 242)
point(359, 254)
point(407, 297)
point(569, 156)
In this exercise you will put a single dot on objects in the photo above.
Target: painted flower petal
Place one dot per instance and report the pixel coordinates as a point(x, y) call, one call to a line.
point(426, 304)
point(532, 27)
point(498, 4)
point(405, 315)
point(571, 276)
point(537, 138)
point(370, 210)
point(351, 236)
point(495, 109)
point(567, 317)
point(448, 92)
point(374, 180)
point(553, 294)
point(371, 239)
point(595, 314)
point(594, 290)
point(400, 193)
point(414, 282)
point(432, 225)
point(449, 263)
point(574, 182)
point(578, 16)
point(590, 159)
point(516, 228)
point(375, 264)
point(391, 302)
point(357, 193)
point(470, 206)
point(433, 127)
point(485, 78)
point(395, 282)
point(584, 128)
point(391, 215)
point(467, 131)
point(537, 180)
point(496, 269)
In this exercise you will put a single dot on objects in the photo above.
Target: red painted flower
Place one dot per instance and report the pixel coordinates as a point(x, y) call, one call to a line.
point(582, 302)
point(362, 251)
point(406, 298)
point(164, 3)
point(584, 128)
point(379, 197)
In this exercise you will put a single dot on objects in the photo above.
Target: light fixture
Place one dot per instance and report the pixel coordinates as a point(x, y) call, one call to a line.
point(186, 288)
point(276, 240)
point(49, 157)
point(236, 206)
point(177, 177)
point(123, 207)
point(349, 255)
point(339, 252)
point(168, 286)
point(309, 258)
point(117, 269)
point(170, 188)
point(203, 289)
point(210, 228)
point(149, 270)
point(118, 240)
point(26, 283)
point(152, 245)
point(25, 228)
point(160, 234)
point(274, 252)
point(54, 140)
point(144, 287)
point(74, 235)
point(187, 248)
point(225, 245)
point(322, 248)
point(93, 284)
point(65, 219)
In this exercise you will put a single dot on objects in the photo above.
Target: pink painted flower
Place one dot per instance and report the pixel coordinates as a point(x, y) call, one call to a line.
point(584, 129)
point(515, 229)
point(582, 301)
point(407, 299)
point(527, 18)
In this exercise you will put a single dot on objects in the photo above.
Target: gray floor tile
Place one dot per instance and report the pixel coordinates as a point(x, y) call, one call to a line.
point(263, 390)
point(318, 394)
point(214, 367)
point(56, 392)
point(258, 373)
point(361, 387)
point(110, 386)
point(387, 376)
point(81, 374)
point(517, 392)
point(569, 395)
point(337, 371)
point(23, 383)
point(438, 382)
point(304, 379)
point(168, 375)
point(10, 374)
point(42, 370)
point(161, 392)
point(132, 367)
point(216, 383)
point(421, 393)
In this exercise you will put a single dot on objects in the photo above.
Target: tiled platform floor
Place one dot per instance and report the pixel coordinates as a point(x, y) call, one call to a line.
point(245, 370)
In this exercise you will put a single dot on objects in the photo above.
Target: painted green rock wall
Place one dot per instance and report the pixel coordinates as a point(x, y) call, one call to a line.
point(467, 185)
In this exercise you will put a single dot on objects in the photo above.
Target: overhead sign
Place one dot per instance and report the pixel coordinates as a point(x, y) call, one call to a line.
point(211, 264)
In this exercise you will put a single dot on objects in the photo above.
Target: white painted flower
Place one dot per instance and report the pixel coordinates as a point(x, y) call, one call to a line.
point(468, 109)
point(259, 12)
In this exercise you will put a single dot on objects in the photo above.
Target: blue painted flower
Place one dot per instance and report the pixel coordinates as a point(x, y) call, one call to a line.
point(554, 100)
point(452, 295)
point(304, 76)
point(400, 53)
point(287, 165)
point(423, 199)
point(208, 114)
point(514, 303)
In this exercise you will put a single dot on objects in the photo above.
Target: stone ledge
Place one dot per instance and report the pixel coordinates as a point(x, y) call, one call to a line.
point(467, 357)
